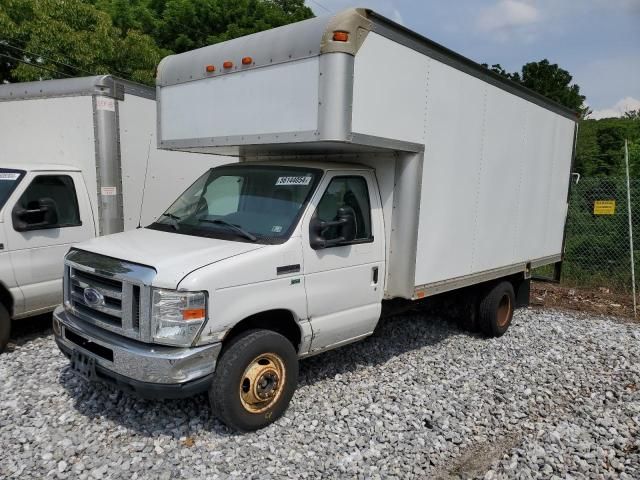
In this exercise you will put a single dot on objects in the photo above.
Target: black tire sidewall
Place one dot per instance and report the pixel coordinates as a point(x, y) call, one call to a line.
point(5, 327)
point(234, 359)
point(488, 311)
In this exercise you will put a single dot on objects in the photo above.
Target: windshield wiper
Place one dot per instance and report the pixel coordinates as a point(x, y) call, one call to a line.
point(238, 229)
point(175, 219)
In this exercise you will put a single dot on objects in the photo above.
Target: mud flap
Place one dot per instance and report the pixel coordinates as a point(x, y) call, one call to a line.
point(523, 290)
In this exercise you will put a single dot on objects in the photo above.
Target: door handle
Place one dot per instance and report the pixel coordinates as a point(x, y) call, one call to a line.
point(374, 275)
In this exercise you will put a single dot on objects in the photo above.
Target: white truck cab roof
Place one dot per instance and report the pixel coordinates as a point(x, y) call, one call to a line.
point(40, 167)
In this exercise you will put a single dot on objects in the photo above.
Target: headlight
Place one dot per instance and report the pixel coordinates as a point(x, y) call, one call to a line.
point(177, 317)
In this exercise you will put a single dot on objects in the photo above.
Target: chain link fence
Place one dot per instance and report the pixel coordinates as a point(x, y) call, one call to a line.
point(597, 248)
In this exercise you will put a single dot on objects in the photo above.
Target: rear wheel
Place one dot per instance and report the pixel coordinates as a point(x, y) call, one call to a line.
point(254, 380)
point(496, 309)
point(5, 327)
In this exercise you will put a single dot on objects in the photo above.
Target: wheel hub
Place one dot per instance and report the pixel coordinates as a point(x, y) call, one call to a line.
point(262, 383)
point(505, 310)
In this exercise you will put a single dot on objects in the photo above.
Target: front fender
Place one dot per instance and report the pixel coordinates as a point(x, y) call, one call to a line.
point(229, 306)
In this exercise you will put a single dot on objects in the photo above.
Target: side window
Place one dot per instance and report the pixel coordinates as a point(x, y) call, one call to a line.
point(352, 193)
point(48, 202)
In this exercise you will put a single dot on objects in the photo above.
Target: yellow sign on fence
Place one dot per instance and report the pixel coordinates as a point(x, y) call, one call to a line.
point(604, 207)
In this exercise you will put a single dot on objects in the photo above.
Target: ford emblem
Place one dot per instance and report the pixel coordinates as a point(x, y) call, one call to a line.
point(93, 297)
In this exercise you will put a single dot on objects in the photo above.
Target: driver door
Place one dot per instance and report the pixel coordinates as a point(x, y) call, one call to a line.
point(37, 253)
point(344, 283)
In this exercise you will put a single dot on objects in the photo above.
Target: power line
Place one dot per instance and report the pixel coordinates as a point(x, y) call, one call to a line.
point(7, 44)
point(35, 54)
point(34, 65)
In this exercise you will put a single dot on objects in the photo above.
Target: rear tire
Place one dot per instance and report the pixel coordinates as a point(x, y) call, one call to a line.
point(254, 380)
point(496, 307)
point(5, 327)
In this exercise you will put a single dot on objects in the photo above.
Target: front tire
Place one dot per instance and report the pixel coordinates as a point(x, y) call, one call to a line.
point(254, 380)
point(496, 309)
point(5, 327)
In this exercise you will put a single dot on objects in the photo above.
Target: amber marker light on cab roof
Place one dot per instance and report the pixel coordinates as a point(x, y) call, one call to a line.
point(210, 68)
point(227, 64)
point(341, 36)
point(247, 60)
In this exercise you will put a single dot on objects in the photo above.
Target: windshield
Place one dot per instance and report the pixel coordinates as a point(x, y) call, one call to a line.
point(251, 203)
point(9, 180)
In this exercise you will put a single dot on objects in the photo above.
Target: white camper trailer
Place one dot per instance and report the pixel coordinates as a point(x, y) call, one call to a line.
point(78, 159)
point(375, 165)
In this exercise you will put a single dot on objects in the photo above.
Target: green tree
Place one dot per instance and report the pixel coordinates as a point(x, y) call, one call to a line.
point(549, 80)
point(188, 24)
point(634, 157)
point(553, 82)
point(600, 146)
point(610, 141)
point(499, 69)
point(130, 14)
point(632, 114)
point(181, 25)
point(58, 38)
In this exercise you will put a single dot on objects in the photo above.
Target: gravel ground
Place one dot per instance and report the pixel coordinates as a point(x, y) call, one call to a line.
point(558, 395)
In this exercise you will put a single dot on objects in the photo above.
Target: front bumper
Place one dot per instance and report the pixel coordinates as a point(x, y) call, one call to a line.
point(152, 371)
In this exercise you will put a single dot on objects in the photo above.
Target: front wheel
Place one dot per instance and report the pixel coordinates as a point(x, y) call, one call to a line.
point(254, 380)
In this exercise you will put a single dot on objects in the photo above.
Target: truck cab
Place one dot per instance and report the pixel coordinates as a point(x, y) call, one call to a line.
point(44, 209)
point(296, 247)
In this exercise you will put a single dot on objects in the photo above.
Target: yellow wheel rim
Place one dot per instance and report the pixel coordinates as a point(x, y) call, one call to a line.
point(262, 383)
point(505, 311)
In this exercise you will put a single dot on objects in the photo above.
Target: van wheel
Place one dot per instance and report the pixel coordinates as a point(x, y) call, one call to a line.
point(496, 309)
point(254, 380)
point(5, 327)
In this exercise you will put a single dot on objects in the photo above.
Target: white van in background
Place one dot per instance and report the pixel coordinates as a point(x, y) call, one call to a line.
point(78, 159)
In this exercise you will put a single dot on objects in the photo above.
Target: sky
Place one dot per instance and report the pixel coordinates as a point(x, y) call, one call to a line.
point(597, 41)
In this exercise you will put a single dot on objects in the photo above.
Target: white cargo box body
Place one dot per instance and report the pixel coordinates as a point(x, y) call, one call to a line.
point(473, 169)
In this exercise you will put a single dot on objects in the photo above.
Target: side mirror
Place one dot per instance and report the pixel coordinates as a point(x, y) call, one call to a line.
point(39, 214)
point(346, 225)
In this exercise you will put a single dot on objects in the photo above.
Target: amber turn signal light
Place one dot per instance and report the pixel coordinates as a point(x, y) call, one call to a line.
point(247, 60)
point(210, 68)
point(341, 36)
point(227, 64)
point(193, 314)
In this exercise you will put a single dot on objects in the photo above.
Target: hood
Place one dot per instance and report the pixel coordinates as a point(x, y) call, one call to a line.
point(173, 255)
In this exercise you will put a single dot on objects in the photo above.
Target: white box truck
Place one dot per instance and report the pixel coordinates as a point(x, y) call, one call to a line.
point(376, 168)
point(78, 159)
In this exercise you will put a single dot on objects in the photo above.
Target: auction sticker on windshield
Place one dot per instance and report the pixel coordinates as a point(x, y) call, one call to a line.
point(9, 176)
point(306, 180)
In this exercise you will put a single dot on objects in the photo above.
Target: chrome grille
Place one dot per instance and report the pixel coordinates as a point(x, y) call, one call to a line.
point(110, 310)
point(117, 301)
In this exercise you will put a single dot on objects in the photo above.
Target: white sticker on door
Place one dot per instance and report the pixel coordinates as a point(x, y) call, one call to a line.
point(9, 176)
point(108, 191)
point(294, 180)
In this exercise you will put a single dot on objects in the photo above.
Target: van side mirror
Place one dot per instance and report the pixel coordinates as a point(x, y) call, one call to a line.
point(346, 225)
point(39, 214)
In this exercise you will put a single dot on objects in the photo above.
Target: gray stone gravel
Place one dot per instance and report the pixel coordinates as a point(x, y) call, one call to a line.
point(557, 397)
